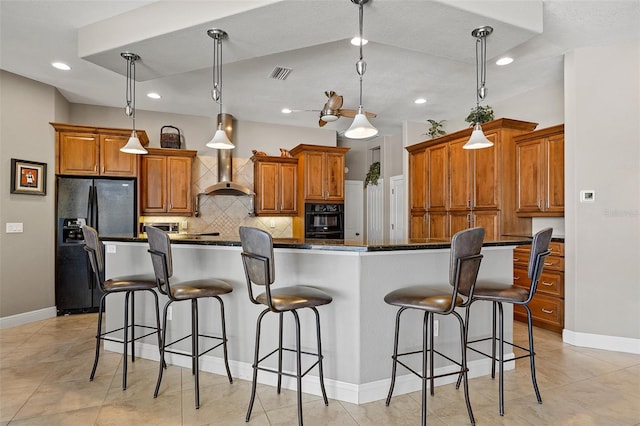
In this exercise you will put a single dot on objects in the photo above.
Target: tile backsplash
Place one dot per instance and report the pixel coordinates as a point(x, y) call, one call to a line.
point(225, 213)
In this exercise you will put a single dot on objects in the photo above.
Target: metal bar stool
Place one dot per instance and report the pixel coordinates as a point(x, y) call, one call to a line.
point(463, 270)
point(160, 249)
point(128, 285)
point(259, 267)
point(499, 293)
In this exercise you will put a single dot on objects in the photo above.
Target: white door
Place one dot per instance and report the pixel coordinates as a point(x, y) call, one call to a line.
point(353, 210)
point(397, 208)
point(375, 212)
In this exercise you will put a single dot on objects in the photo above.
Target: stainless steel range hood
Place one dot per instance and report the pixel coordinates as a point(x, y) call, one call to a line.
point(225, 185)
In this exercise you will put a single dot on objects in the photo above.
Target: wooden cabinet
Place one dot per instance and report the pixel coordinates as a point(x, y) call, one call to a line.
point(466, 188)
point(540, 172)
point(165, 182)
point(274, 181)
point(94, 151)
point(321, 172)
point(547, 306)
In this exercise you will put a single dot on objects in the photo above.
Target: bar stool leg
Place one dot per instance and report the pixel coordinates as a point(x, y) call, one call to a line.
point(158, 329)
point(126, 341)
point(394, 365)
point(501, 357)
point(224, 338)
point(98, 337)
point(280, 320)
point(195, 357)
point(432, 379)
point(425, 355)
point(298, 366)
point(532, 362)
point(255, 364)
point(463, 344)
point(466, 339)
point(163, 364)
point(133, 327)
point(320, 357)
point(494, 324)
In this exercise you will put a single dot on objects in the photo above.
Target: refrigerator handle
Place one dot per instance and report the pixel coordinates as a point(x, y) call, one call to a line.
point(95, 208)
point(89, 209)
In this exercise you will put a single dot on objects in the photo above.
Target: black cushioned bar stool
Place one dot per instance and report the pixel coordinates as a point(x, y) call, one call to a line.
point(259, 267)
point(160, 249)
point(499, 293)
point(128, 285)
point(463, 270)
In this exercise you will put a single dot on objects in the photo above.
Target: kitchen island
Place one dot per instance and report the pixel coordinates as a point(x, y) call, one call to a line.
point(357, 327)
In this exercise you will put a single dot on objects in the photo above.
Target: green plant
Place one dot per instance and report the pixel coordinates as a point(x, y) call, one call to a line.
point(480, 114)
point(373, 174)
point(436, 128)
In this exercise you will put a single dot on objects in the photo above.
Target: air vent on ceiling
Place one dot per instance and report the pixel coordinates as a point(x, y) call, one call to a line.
point(280, 73)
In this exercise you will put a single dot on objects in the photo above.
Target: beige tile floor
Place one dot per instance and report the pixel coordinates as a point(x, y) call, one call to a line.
point(44, 369)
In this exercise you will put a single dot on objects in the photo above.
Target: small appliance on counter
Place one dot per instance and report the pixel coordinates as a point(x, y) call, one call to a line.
point(325, 221)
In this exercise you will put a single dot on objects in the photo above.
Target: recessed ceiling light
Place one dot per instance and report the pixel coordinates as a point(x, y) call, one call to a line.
point(153, 95)
point(420, 101)
point(286, 111)
point(506, 60)
point(356, 41)
point(61, 66)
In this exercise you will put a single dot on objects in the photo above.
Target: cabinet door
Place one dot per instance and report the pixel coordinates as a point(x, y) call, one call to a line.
point(418, 179)
point(485, 176)
point(437, 172)
point(419, 226)
point(267, 187)
point(79, 154)
point(438, 225)
point(529, 167)
point(555, 174)
point(179, 185)
point(490, 221)
point(458, 221)
point(460, 176)
point(334, 176)
point(313, 176)
point(288, 188)
point(113, 162)
point(153, 181)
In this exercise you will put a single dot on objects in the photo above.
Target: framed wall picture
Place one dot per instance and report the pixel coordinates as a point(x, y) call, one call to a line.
point(28, 177)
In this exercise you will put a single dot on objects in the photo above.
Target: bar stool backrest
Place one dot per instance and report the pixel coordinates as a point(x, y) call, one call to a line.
point(539, 251)
point(257, 258)
point(160, 249)
point(93, 247)
point(465, 260)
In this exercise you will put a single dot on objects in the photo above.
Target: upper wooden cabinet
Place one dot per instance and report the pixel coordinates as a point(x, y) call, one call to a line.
point(540, 172)
point(321, 172)
point(274, 181)
point(165, 182)
point(94, 151)
point(466, 188)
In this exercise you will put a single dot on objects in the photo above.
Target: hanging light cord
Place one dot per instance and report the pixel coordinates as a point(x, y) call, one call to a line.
point(361, 65)
point(216, 92)
point(481, 68)
point(130, 109)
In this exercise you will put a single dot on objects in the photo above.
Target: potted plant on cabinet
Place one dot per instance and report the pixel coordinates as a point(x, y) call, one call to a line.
point(436, 128)
point(480, 114)
point(373, 174)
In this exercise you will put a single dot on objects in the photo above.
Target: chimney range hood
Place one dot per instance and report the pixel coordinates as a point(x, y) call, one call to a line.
point(225, 185)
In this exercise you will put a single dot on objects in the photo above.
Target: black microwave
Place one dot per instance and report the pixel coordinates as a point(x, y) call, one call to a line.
point(325, 221)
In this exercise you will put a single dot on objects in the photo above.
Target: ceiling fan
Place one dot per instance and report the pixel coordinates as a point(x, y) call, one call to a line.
point(332, 109)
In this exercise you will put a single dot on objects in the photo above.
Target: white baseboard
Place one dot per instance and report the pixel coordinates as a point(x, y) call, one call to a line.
point(28, 317)
point(599, 341)
point(342, 391)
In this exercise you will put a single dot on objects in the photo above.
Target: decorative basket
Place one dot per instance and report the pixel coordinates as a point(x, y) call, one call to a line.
point(170, 140)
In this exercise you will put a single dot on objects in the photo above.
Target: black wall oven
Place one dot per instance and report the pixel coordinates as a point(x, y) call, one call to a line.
point(324, 221)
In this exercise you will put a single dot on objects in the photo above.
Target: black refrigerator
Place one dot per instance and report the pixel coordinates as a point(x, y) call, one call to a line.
point(109, 205)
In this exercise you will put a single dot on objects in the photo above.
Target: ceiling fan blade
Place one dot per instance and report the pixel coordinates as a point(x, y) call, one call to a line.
point(370, 114)
point(348, 112)
point(321, 122)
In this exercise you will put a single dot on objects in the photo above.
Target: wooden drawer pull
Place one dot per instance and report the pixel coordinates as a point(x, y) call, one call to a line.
point(546, 283)
point(516, 278)
point(515, 259)
point(548, 263)
point(546, 311)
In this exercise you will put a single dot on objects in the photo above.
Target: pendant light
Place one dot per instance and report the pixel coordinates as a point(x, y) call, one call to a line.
point(360, 127)
point(133, 145)
point(478, 139)
point(220, 139)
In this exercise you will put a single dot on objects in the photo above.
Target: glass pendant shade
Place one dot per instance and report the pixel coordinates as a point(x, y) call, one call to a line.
point(361, 127)
point(133, 145)
point(477, 139)
point(220, 140)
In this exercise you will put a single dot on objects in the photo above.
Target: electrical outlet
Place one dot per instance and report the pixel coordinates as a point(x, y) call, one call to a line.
point(272, 223)
point(436, 328)
point(14, 228)
point(110, 248)
point(169, 313)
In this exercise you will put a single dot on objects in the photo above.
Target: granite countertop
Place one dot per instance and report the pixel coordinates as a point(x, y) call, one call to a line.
point(331, 245)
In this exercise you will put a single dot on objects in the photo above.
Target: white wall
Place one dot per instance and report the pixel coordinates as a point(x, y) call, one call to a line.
point(27, 271)
point(602, 131)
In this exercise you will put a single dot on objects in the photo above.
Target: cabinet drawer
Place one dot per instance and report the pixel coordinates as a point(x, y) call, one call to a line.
point(545, 309)
point(551, 283)
point(521, 257)
point(557, 248)
point(554, 263)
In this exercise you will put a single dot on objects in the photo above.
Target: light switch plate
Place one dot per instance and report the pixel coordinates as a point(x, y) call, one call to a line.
point(14, 228)
point(587, 196)
point(111, 248)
